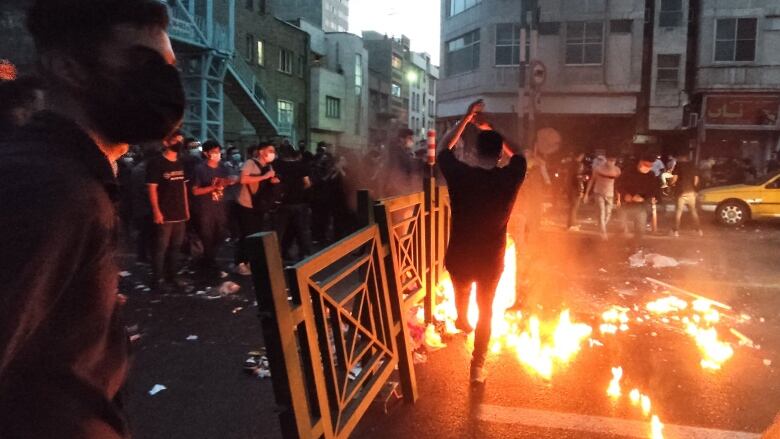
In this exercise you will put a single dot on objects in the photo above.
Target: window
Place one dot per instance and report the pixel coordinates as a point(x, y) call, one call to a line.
point(735, 39)
point(668, 71)
point(395, 90)
point(358, 74)
point(584, 42)
point(507, 44)
point(455, 7)
point(671, 14)
point(430, 108)
point(285, 117)
point(285, 61)
point(397, 62)
point(250, 48)
point(462, 53)
point(260, 53)
point(332, 107)
point(301, 66)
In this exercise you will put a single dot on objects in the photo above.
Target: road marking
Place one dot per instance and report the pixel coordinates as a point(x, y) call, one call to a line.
point(598, 424)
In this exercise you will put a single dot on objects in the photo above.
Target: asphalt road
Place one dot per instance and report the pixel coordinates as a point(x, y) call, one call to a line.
point(208, 395)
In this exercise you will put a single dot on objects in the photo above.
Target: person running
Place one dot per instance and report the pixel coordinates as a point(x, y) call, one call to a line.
point(602, 185)
point(685, 183)
point(63, 345)
point(482, 197)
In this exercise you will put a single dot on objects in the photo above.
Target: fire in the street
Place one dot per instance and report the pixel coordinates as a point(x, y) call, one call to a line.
point(715, 352)
point(614, 386)
point(656, 428)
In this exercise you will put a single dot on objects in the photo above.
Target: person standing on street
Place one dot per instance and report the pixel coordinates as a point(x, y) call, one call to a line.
point(482, 197)
point(167, 185)
point(63, 346)
point(575, 189)
point(638, 189)
point(255, 200)
point(211, 180)
point(602, 184)
point(292, 220)
point(685, 183)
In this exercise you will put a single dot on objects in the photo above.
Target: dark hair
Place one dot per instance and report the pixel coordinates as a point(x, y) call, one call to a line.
point(79, 26)
point(286, 151)
point(405, 132)
point(264, 145)
point(233, 149)
point(210, 144)
point(647, 157)
point(489, 143)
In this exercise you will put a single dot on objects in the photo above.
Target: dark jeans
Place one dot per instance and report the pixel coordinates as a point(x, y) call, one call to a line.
point(486, 292)
point(211, 223)
point(635, 213)
point(145, 228)
point(292, 224)
point(249, 223)
point(167, 244)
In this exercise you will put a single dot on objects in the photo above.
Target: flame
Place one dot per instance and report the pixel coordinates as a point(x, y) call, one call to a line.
point(539, 345)
point(667, 305)
point(714, 351)
point(433, 338)
point(613, 391)
point(656, 428)
point(644, 402)
point(634, 396)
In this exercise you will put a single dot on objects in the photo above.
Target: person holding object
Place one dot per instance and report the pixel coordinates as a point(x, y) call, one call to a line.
point(112, 82)
point(638, 190)
point(602, 185)
point(482, 197)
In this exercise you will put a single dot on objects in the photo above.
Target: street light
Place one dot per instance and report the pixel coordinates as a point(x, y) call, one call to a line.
point(411, 76)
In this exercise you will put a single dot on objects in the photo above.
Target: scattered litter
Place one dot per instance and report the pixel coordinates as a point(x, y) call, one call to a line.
point(140, 286)
point(355, 373)
point(420, 357)
point(135, 337)
point(213, 297)
point(743, 339)
point(640, 259)
point(433, 338)
point(157, 389)
point(147, 289)
point(192, 338)
point(767, 363)
point(200, 293)
point(602, 270)
point(654, 334)
point(125, 273)
point(237, 309)
point(133, 328)
point(155, 301)
point(222, 275)
point(228, 288)
point(593, 342)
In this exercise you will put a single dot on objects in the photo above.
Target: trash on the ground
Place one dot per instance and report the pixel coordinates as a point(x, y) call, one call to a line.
point(420, 357)
point(135, 337)
point(200, 293)
point(432, 338)
point(157, 389)
point(237, 309)
point(655, 260)
point(593, 342)
point(223, 274)
point(132, 328)
point(125, 274)
point(147, 289)
point(140, 286)
point(228, 288)
point(355, 373)
point(192, 338)
point(743, 339)
point(602, 270)
point(213, 297)
point(767, 362)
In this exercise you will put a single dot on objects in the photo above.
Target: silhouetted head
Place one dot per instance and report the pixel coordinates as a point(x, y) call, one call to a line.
point(489, 144)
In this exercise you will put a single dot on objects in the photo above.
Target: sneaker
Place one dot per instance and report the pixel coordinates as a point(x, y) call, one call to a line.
point(243, 269)
point(675, 233)
point(700, 232)
point(478, 375)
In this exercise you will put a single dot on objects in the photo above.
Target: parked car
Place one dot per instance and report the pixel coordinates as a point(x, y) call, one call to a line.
point(734, 205)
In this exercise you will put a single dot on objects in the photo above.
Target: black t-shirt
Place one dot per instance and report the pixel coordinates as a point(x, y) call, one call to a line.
point(204, 177)
point(482, 201)
point(686, 175)
point(171, 188)
point(291, 175)
point(633, 182)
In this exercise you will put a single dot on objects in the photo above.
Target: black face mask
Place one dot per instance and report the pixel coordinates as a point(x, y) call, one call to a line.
point(142, 102)
point(176, 147)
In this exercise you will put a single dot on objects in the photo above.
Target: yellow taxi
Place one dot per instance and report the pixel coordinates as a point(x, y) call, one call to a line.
point(736, 204)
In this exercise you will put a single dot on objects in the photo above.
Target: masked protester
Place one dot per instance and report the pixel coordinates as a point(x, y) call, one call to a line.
point(637, 189)
point(404, 172)
point(482, 197)
point(212, 178)
point(111, 82)
point(256, 200)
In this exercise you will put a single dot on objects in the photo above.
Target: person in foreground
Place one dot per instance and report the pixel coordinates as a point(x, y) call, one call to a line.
point(63, 348)
point(482, 197)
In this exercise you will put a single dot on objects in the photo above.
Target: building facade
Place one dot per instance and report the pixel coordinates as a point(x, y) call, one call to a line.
point(388, 86)
point(422, 77)
point(339, 88)
point(328, 15)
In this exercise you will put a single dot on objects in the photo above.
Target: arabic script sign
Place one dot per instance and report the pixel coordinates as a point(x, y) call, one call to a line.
point(748, 111)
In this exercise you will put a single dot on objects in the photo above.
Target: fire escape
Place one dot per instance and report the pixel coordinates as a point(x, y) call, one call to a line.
point(206, 56)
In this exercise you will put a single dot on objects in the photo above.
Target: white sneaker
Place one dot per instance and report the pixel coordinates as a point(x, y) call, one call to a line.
point(676, 234)
point(243, 269)
point(701, 232)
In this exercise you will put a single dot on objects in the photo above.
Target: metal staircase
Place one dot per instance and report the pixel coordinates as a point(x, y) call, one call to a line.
point(205, 50)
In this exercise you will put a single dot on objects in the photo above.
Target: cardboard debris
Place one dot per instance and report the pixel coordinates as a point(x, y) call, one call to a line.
point(228, 288)
point(192, 338)
point(157, 389)
point(655, 260)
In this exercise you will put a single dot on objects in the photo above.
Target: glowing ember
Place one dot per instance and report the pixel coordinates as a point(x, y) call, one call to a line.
point(714, 351)
point(613, 391)
point(667, 305)
point(634, 396)
point(644, 402)
point(656, 428)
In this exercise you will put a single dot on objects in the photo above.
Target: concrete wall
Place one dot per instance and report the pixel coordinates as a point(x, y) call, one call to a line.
point(761, 74)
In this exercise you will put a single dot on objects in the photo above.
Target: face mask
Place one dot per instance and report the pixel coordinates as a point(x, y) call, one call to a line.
point(215, 157)
point(176, 147)
point(236, 157)
point(270, 157)
point(409, 144)
point(141, 102)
